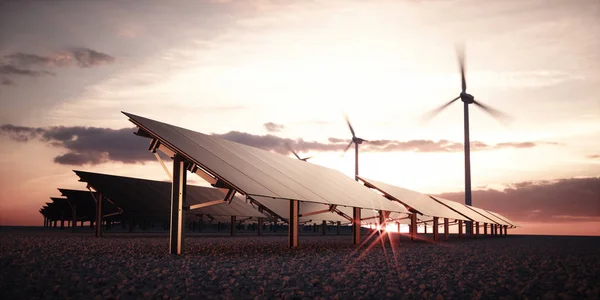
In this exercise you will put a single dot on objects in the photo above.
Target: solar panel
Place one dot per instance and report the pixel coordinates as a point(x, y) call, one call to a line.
point(255, 172)
point(504, 218)
point(464, 210)
point(422, 203)
point(153, 197)
point(486, 214)
point(281, 208)
point(85, 204)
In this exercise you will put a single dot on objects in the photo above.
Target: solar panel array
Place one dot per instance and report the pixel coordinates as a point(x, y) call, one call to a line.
point(421, 203)
point(260, 173)
point(489, 216)
point(154, 197)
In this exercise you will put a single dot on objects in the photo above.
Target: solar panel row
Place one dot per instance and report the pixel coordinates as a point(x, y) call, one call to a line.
point(312, 193)
point(268, 178)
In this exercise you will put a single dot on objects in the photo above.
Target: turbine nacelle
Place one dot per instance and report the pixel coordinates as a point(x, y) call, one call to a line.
point(358, 140)
point(467, 98)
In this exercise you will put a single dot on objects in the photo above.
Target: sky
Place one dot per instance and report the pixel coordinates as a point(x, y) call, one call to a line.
point(268, 72)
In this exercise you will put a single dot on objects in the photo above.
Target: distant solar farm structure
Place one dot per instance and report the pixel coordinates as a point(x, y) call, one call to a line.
point(291, 189)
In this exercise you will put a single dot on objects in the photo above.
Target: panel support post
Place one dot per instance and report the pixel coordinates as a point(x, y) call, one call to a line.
point(505, 230)
point(74, 209)
point(356, 225)
point(446, 229)
point(232, 229)
point(484, 228)
point(200, 222)
point(460, 228)
point(178, 193)
point(260, 224)
point(324, 227)
point(435, 228)
point(99, 199)
point(293, 224)
point(413, 226)
point(339, 227)
point(476, 229)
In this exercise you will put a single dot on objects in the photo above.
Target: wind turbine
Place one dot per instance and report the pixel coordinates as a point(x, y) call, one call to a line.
point(357, 141)
point(296, 154)
point(466, 99)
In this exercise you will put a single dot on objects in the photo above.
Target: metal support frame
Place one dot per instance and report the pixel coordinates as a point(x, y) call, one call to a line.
point(505, 230)
point(293, 224)
point(99, 216)
point(460, 229)
point(446, 228)
point(260, 224)
point(263, 209)
point(233, 223)
point(485, 229)
point(476, 229)
point(413, 226)
point(435, 228)
point(324, 227)
point(178, 195)
point(339, 227)
point(356, 222)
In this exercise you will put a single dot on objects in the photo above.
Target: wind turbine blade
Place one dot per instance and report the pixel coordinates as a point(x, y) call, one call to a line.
point(460, 54)
point(498, 115)
point(307, 158)
point(291, 150)
point(428, 116)
point(348, 147)
point(350, 125)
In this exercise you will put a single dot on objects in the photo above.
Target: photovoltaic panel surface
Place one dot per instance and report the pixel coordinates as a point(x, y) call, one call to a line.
point(256, 172)
point(512, 223)
point(149, 196)
point(464, 210)
point(486, 214)
point(420, 202)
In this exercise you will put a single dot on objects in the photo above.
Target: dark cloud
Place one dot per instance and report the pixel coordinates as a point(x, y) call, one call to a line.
point(273, 127)
point(274, 143)
point(22, 64)
point(277, 144)
point(91, 145)
point(28, 60)
point(7, 81)
point(593, 156)
point(86, 58)
point(541, 201)
point(82, 57)
point(85, 145)
point(9, 70)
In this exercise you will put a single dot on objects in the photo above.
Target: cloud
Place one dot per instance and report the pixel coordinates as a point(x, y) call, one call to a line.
point(9, 70)
point(86, 58)
point(92, 145)
point(541, 201)
point(272, 127)
point(7, 81)
point(82, 57)
point(277, 144)
point(85, 145)
point(593, 156)
point(23, 64)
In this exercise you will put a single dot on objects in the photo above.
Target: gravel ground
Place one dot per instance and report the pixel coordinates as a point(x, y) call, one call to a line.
point(78, 266)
